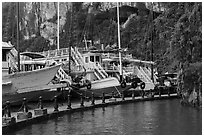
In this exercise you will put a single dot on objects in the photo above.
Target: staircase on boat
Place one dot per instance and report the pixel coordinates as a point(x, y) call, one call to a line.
point(62, 55)
point(12, 55)
point(94, 66)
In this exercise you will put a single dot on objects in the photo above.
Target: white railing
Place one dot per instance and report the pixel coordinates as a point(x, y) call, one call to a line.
point(102, 70)
point(98, 77)
point(77, 57)
point(12, 61)
point(143, 72)
point(61, 75)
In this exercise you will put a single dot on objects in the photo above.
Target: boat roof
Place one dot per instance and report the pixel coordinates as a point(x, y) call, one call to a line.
point(128, 60)
point(115, 59)
point(32, 62)
point(6, 45)
point(33, 55)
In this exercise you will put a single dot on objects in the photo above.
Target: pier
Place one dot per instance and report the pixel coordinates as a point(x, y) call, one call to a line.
point(18, 120)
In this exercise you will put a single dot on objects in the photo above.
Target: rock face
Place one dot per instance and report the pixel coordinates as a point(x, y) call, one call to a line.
point(190, 85)
point(40, 18)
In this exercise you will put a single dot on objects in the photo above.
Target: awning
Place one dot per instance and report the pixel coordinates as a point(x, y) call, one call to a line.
point(33, 55)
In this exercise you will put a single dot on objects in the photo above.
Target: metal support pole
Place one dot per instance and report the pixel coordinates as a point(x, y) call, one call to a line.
point(123, 96)
point(143, 93)
point(40, 106)
point(8, 109)
point(92, 99)
point(55, 104)
point(152, 45)
point(133, 95)
point(103, 98)
point(160, 92)
point(69, 102)
point(119, 46)
point(25, 108)
point(18, 35)
point(82, 100)
point(169, 91)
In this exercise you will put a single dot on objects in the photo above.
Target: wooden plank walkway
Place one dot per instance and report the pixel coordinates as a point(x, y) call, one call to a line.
point(76, 106)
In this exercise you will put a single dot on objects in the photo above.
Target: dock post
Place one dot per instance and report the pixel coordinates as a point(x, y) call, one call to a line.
point(25, 108)
point(152, 93)
point(8, 109)
point(112, 94)
point(69, 102)
point(160, 92)
point(123, 96)
point(82, 100)
point(25, 114)
point(40, 110)
point(143, 93)
point(103, 98)
point(133, 95)
point(112, 99)
point(55, 104)
point(40, 106)
point(169, 91)
point(8, 120)
point(92, 99)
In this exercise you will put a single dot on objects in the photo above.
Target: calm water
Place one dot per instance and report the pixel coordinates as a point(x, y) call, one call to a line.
point(147, 118)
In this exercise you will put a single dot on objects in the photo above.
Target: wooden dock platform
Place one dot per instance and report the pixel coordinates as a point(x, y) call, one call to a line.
point(76, 106)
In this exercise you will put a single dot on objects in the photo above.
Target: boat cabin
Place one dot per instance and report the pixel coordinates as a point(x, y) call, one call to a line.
point(92, 59)
point(29, 61)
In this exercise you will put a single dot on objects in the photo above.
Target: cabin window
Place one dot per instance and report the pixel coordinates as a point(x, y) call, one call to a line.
point(86, 59)
point(3, 56)
point(97, 59)
point(92, 58)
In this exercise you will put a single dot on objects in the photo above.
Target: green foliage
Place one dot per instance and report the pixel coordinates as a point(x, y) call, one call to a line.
point(179, 31)
point(37, 44)
point(192, 76)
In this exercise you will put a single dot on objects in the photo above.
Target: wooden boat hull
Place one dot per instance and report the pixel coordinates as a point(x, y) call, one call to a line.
point(16, 86)
point(113, 86)
point(23, 80)
point(47, 95)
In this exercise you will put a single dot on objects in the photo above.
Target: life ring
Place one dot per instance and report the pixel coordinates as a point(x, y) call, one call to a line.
point(123, 84)
point(134, 84)
point(88, 86)
point(142, 85)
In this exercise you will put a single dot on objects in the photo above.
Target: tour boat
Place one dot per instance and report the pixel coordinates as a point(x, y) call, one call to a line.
point(28, 84)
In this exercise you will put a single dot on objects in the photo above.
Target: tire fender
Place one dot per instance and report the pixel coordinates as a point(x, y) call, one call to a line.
point(88, 86)
point(142, 85)
point(123, 84)
point(134, 84)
